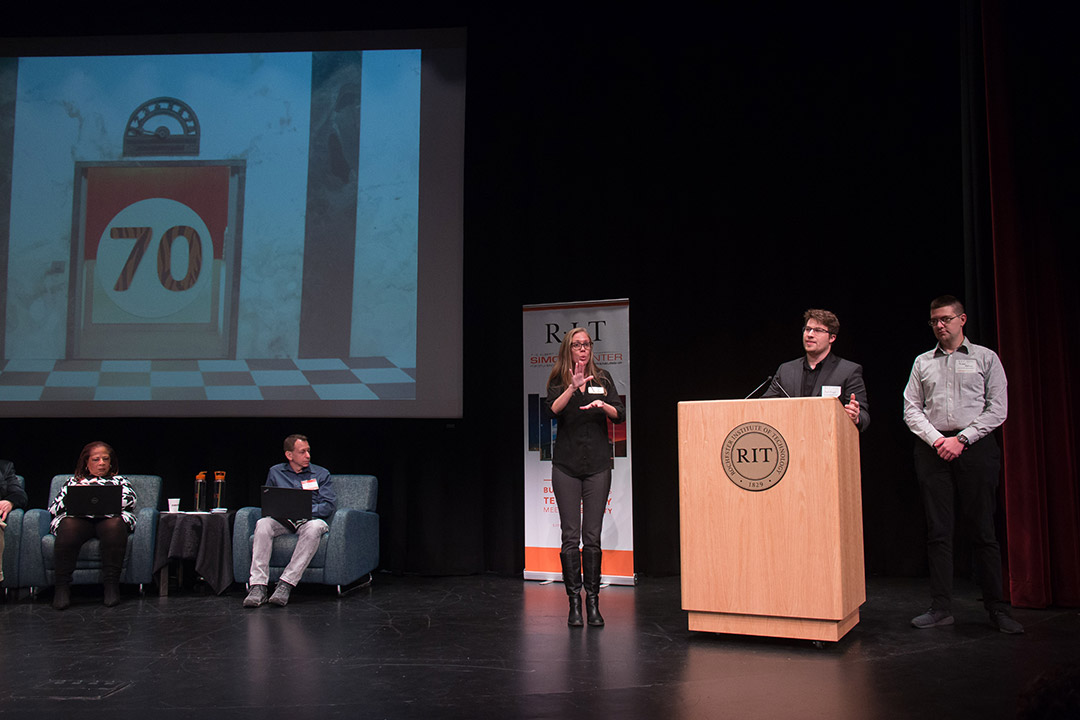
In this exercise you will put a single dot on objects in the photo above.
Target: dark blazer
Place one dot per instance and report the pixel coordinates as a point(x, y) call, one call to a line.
point(9, 489)
point(834, 371)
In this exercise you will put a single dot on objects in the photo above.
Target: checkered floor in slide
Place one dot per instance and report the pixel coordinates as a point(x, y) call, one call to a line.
point(368, 378)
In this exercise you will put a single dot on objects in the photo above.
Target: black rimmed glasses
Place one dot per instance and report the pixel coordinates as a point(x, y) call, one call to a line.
point(934, 322)
point(815, 331)
point(580, 345)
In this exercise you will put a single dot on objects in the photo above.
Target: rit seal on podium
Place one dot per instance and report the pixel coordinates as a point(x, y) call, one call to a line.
point(755, 456)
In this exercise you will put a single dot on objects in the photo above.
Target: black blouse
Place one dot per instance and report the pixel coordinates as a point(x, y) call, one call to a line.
point(582, 446)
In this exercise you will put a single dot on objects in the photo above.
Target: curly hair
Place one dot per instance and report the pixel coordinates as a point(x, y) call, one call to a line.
point(826, 318)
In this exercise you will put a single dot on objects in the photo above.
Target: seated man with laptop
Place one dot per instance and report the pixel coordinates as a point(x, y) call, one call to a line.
point(281, 515)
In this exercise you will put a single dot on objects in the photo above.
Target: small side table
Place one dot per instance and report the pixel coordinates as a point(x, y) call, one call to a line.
point(204, 537)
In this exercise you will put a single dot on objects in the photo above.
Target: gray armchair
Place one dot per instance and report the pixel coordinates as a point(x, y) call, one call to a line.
point(347, 553)
point(12, 542)
point(36, 567)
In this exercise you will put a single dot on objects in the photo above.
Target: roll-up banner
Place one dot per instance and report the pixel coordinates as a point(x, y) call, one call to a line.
point(543, 326)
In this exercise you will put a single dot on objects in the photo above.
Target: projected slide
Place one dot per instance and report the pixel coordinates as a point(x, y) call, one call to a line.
point(233, 233)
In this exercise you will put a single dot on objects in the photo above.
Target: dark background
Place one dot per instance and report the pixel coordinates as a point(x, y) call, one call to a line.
point(723, 168)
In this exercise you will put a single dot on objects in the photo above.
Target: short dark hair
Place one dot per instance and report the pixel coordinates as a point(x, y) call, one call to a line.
point(826, 318)
point(943, 301)
point(290, 442)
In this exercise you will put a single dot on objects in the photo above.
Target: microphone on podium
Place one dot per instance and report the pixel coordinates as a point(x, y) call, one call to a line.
point(771, 378)
point(759, 387)
point(779, 385)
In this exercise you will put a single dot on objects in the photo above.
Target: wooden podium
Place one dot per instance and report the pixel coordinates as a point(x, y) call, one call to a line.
point(771, 517)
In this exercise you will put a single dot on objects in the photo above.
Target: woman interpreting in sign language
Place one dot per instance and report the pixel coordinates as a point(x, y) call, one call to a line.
point(583, 397)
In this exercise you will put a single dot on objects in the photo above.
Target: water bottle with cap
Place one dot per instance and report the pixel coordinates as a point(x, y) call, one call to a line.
point(200, 492)
point(219, 489)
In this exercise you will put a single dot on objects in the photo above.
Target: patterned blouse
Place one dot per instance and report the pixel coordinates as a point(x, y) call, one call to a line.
point(56, 507)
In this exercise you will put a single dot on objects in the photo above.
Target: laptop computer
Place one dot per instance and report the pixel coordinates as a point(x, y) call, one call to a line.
point(286, 503)
point(94, 500)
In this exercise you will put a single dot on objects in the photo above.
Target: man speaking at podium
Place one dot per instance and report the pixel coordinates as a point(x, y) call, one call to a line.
point(822, 374)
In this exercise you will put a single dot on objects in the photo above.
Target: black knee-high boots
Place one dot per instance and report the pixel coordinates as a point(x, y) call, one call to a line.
point(590, 570)
point(112, 565)
point(64, 562)
point(571, 573)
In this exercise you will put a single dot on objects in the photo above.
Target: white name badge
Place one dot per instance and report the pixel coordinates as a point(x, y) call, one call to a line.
point(594, 390)
point(310, 484)
point(830, 391)
point(966, 365)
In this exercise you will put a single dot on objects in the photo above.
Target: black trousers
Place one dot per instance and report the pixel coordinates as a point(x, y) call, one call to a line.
point(582, 505)
point(963, 490)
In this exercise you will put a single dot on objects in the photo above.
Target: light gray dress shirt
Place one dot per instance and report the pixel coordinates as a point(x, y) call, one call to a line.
point(964, 392)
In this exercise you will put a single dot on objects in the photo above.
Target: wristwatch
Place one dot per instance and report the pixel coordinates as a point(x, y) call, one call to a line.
point(963, 440)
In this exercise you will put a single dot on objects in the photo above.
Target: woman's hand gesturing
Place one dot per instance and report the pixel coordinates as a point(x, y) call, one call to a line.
point(578, 378)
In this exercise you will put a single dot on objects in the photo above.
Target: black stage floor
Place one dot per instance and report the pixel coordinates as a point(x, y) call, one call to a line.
point(496, 647)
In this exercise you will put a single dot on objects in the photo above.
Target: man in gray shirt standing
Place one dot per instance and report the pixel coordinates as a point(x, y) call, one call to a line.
point(954, 399)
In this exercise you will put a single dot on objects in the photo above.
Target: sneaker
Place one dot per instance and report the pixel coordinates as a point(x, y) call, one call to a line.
point(1004, 622)
point(256, 596)
point(932, 618)
point(281, 594)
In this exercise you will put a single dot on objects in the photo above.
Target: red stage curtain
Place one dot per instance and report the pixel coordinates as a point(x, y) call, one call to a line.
point(1030, 96)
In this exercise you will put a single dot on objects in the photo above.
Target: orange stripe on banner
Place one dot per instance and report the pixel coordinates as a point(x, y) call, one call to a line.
point(618, 562)
point(541, 559)
point(615, 562)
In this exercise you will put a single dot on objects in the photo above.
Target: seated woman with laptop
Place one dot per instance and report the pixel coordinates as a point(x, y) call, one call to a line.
point(95, 502)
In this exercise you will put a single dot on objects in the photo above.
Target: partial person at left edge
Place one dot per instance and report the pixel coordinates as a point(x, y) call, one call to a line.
point(11, 496)
point(822, 373)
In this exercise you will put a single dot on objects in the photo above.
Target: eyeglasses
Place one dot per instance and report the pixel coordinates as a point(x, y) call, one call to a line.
point(934, 322)
point(580, 345)
point(816, 331)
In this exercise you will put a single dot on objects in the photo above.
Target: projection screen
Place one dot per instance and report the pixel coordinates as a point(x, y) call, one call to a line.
point(232, 225)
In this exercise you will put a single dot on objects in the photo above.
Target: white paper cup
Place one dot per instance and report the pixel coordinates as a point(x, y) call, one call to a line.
point(174, 505)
